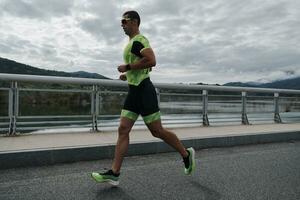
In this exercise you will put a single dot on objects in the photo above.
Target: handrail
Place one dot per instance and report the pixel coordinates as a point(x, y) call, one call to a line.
point(105, 82)
point(59, 79)
point(96, 100)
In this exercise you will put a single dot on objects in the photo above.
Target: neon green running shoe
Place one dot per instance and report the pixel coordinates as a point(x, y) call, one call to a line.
point(106, 177)
point(189, 162)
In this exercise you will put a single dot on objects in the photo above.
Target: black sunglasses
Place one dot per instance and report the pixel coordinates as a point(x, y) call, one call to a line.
point(125, 20)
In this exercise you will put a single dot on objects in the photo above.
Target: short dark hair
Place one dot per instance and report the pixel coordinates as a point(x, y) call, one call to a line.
point(133, 15)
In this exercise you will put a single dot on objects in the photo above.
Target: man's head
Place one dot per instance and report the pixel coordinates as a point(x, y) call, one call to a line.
point(130, 22)
point(133, 16)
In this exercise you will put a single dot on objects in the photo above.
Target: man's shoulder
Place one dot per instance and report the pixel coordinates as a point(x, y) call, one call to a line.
point(140, 38)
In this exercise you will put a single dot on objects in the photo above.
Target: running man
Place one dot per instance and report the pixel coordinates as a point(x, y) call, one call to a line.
point(141, 100)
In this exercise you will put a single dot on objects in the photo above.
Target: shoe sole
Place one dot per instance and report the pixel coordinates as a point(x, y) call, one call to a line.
point(193, 160)
point(192, 151)
point(111, 182)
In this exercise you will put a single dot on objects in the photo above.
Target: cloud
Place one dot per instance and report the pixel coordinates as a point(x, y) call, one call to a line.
point(36, 9)
point(199, 41)
point(101, 20)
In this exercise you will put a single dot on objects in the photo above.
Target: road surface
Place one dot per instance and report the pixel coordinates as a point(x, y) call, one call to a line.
point(268, 171)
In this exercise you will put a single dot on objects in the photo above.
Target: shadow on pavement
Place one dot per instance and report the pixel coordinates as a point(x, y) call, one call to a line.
point(111, 192)
point(208, 193)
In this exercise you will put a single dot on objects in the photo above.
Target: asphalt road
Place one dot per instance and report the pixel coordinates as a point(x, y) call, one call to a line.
point(269, 171)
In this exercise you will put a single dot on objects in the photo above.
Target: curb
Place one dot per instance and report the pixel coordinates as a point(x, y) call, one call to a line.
point(42, 157)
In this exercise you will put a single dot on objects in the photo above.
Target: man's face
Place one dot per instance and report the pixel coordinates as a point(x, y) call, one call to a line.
point(127, 24)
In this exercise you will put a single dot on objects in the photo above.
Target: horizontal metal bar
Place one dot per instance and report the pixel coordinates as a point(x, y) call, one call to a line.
point(55, 90)
point(290, 117)
point(296, 98)
point(118, 83)
point(191, 118)
point(184, 122)
point(55, 117)
point(237, 117)
point(141, 123)
point(165, 117)
point(52, 122)
point(263, 113)
point(260, 118)
point(180, 94)
point(229, 101)
point(4, 89)
point(101, 116)
point(223, 121)
point(50, 127)
point(225, 88)
point(251, 102)
point(179, 115)
point(113, 92)
point(261, 97)
point(4, 123)
point(235, 96)
point(57, 79)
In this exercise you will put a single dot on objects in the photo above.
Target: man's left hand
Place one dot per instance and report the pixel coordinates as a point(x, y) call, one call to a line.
point(122, 68)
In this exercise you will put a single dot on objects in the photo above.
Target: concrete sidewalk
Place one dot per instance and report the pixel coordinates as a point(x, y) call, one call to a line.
point(46, 149)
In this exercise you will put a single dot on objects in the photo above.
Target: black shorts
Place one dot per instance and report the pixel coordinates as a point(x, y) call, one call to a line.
point(141, 100)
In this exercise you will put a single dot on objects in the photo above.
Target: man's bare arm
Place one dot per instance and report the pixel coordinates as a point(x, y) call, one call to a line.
point(147, 61)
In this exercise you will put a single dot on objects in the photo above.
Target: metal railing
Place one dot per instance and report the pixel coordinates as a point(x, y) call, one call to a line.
point(206, 100)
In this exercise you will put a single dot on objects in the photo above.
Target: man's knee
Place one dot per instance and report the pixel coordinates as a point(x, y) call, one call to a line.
point(124, 129)
point(157, 132)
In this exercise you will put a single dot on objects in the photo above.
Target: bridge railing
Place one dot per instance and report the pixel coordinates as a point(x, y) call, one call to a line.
point(27, 105)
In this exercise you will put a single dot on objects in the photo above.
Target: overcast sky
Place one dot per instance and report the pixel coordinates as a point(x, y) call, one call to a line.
point(209, 41)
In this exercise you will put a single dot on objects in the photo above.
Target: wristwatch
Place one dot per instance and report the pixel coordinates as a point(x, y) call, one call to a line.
point(128, 67)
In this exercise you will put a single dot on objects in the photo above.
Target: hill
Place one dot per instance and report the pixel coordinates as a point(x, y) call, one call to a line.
point(13, 67)
point(292, 83)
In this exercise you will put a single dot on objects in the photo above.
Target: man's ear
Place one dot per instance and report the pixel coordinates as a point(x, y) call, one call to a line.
point(135, 21)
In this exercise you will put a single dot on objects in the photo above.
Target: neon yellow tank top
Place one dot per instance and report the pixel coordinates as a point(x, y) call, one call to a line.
point(132, 53)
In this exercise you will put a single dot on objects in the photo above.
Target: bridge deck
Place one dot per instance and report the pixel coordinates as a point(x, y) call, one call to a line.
point(84, 139)
point(47, 149)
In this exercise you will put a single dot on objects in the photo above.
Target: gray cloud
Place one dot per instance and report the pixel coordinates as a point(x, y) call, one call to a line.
point(235, 36)
point(36, 8)
point(101, 20)
point(200, 41)
point(101, 30)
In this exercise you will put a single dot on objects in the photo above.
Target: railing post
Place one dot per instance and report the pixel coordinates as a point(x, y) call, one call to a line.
point(277, 117)
point(13, 108)
point(95, 107)
point(158, 96)
point(10, 109)
point(205, 120)
point(244, 109)
point(101, 99)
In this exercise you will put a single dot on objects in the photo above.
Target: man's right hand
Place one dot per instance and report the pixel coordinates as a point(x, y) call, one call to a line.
point(123, 77)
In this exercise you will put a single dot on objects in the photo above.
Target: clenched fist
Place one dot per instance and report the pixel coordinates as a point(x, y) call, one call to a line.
point(123, 68)
point(123, 77)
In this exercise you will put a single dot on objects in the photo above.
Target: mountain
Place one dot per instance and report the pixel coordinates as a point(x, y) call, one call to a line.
point(13, 67)
point(292, 83)
point(87, 75)
point(240, 84)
